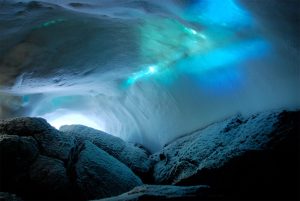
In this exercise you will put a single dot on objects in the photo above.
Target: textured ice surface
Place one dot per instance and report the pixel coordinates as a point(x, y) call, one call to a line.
point(147, 71)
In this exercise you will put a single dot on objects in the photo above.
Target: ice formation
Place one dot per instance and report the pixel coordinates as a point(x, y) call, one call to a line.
point(147, 71)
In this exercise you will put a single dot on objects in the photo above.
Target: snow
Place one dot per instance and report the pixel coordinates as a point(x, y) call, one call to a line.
point(214, 145)
point(134, 157)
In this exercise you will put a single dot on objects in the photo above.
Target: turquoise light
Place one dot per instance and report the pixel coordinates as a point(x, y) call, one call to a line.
point(152, 69)
point(212, 41)
point(223, 57)
point(50, 23)
point(190, 30)
point(148, 71)
point(220, 12)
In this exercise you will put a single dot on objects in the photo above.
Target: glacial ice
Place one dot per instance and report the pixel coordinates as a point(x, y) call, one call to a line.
point(147, 71)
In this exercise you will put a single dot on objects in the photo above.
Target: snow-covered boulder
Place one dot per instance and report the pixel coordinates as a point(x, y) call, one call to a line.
point(16, 155)
point(48, 178)
point(28, 173)
point(52, 142)
point(97, 174)
point(40, 162)
point(164, 192)
point(239, 154)
point(4, 196)
point(136, 158)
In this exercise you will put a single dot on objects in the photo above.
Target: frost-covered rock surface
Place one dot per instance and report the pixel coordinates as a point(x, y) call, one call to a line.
point(49, 176)
point(9, 197)
point(26, 172)
point(52, 142)
point(240, 153)
point(164, 192)
point(16, 155)
point(255, 157)
point(99, 175)
point(134, 157)
point(39, 162)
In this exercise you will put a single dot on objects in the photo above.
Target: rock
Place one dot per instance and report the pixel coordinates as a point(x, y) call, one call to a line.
point(25, 172)
point(98, 174)
point(164, 192)
point(254, 157)
point(34, 164)
point(48, 179)
point(137, 159)
point(16, 155)
point(52, 142)
point(9, 197)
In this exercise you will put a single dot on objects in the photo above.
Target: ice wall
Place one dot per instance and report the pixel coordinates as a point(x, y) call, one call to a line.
point(147, 71)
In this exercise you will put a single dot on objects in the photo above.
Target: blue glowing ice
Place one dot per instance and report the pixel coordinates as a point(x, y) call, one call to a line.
point(220, 12)
point(224, 57)
point(196, 49)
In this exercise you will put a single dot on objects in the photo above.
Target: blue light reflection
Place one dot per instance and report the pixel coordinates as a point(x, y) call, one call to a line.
point(224, 57)
point(221, 12)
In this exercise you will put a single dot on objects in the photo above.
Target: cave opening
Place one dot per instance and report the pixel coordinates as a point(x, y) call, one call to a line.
point(145, 73)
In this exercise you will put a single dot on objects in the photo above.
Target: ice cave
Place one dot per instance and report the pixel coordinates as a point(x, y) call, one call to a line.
point(149, 100)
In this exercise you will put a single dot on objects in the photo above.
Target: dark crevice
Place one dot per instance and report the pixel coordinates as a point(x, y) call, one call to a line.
point(71, 168)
